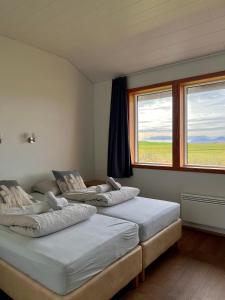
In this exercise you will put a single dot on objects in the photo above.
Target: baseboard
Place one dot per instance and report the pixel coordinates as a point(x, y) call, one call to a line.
point(203, 228)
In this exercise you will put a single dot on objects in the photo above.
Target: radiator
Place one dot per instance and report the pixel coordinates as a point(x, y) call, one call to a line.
point(203, 210)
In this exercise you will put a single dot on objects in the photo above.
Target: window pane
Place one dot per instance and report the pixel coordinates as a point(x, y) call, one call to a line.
point(205, 125)
point(154, 128)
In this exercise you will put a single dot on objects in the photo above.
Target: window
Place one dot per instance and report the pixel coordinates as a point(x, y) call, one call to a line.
point(154, 127)
point(179, 125)
point(205, 124)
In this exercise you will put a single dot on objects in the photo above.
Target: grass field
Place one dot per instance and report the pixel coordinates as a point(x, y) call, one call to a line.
point(198, 154)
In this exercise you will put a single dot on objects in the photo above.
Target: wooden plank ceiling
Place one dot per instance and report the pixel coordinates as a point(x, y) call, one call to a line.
point(104, 38)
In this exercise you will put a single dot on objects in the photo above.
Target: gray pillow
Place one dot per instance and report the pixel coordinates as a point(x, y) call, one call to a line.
point(9, 183)
point(69, 181)
point(45, 186)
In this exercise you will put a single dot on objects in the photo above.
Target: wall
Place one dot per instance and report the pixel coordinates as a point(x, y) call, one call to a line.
point(157, 183)
point(42, 93)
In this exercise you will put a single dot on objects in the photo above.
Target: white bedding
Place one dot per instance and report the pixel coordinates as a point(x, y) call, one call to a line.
point(151, 215)
point(65, 260)
point(50, 221)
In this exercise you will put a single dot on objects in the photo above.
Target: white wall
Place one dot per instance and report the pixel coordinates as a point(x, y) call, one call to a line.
point(157, 183)
point(45, 94)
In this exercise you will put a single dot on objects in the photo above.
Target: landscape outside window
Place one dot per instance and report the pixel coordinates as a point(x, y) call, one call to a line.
point(179, 125)
point(205, 125)
point(154, 128)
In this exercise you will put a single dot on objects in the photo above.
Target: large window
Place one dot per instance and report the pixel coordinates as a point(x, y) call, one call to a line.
point(154, 127)
point(205, 124)
point(179, 125)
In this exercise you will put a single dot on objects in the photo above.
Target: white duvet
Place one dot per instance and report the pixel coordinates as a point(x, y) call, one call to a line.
point(109, 198)
point(37, 225)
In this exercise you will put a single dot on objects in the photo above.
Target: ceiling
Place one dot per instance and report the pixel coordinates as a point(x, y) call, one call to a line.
point(105, 38)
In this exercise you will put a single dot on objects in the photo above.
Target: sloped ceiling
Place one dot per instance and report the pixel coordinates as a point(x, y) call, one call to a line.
point(105, 38)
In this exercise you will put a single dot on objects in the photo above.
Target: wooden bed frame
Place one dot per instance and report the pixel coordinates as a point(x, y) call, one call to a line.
point(159, 243)
point(102, 286)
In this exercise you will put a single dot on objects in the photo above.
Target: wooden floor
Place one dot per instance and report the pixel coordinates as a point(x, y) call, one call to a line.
point(195, 270)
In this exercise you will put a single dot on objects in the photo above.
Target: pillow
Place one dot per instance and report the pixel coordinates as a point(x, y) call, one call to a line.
point(13, 195)
point(7, 183)
point(69, 181)
point(45, 186)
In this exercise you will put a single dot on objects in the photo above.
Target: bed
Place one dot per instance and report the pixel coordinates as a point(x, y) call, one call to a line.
point(159, 224)
point(79, 262)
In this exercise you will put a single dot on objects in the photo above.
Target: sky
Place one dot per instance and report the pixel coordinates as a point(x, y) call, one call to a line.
point(205, 113)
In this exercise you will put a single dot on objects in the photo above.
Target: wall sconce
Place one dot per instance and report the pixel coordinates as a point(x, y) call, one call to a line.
point(31, 138)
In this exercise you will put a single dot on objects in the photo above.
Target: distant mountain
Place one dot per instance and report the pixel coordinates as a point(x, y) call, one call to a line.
point(191, 139)
point(221, 139)
point(206, 139)
point(158, 139)
point(161, 138)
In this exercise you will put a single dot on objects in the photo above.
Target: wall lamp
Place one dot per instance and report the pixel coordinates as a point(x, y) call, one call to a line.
point(31, 138)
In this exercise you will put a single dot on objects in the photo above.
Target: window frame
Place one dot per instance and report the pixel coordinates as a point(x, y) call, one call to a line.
point(178, 119)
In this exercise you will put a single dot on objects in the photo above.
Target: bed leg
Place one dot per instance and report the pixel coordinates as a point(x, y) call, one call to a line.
point(143, 275)
point(135, 282)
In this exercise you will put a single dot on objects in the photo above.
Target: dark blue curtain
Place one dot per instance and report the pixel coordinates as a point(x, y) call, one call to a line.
point(119, 159)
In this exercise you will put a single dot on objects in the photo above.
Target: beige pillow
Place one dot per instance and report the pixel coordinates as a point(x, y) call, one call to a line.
point(7, 183)
point(13, 195)
point(45, 186)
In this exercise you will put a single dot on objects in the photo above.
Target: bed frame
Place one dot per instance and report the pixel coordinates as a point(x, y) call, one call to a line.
point(159, 243)
point(102, 286)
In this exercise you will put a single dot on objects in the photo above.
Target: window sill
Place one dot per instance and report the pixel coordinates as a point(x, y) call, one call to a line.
point(148, 166)
point(202, 169)
point(181, 169)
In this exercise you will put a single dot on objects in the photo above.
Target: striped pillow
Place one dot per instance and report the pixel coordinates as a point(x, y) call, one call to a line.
point(69, 181)
point(12, 195)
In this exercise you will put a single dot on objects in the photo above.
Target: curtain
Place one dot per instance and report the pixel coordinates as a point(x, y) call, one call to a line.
point(119, 158)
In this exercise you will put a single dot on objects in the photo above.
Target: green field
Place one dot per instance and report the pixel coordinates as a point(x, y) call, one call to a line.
point(198, 154)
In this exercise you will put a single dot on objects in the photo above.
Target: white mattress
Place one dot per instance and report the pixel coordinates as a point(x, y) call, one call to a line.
point(63, 261)
point(151, 215)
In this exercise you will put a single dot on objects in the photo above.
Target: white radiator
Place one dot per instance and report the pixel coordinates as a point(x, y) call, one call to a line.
point(203, 210)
